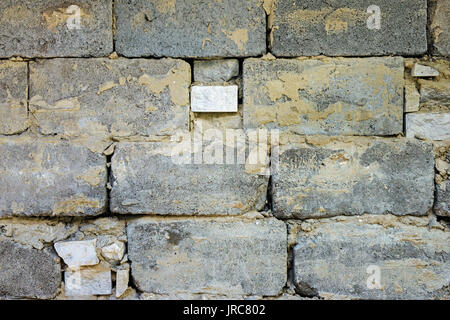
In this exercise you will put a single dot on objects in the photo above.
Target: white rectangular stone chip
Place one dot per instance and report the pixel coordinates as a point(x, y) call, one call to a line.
point(214, 98)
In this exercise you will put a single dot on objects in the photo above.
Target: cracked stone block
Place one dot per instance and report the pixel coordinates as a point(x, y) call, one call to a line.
point(323, 177)
point(372, 257)
point(219, 256)
point(88, 281)
point(50, 177)
point(332, 96)
point(349, 28)
point(433, 126)
point(57, 28)
point(215, 70)
point(214, 98)
point(440, 27)
point(13, 97)
point(147, 179)
point(105, 97)
point(185, 28)
point(78, 253)
point(28, 273)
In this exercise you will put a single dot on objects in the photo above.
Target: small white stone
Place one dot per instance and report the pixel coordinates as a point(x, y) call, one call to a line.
point(122, 278)
point(214, 98)
point(78, 253)
point(114, 252)
point(412, 98)
point(420, 70)
point(87, 281)
point(433, 126)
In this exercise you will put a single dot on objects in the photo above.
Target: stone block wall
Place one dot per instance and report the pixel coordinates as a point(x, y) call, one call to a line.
point(251, 149)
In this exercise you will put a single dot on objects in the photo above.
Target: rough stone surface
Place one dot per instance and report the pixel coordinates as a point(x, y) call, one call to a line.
point(88, 281)
point(50, 177)
point(440, 26)
point(114, 251)
point(104, 97)
point(433, 126)
point(325, 96)
point(185, 28)
point(78, 253)
point(333, 258)
point(215, 70)
point(206, 256)
point(214, 99)
point(40, 28)
point(442, 201)
point(13, 97)
point(348, 176)
point(420, 70)
point(340, 28)
point(122, 279)
point(412, 98)
point(26, 272)
point(146, 180)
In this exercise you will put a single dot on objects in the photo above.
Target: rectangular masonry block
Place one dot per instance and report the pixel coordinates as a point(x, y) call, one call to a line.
point(50, 177)
point(340, 96)
point(147, 179)
point(88, 281)
point(349, 28)
point(214, 99)
point(372, 257)
point(323, 177)
point(57, 28)
point(215, 70)
point(208, 256)
point(105, 97)
point(13, 97)
point(28, 273)
point(186, 28)
point(433, 126)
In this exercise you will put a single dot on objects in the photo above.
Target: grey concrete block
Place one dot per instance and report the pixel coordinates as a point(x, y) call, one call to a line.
point(341, 28)
point(351, 176)
point(185, 28)
point(208, 256)
point(215, 70)
point(28, 273)
point(104, 97)
point(332, 96)
point(147, 180)
point(39, 28)
point(50, 177)
point(13, 97)
point(372, 257)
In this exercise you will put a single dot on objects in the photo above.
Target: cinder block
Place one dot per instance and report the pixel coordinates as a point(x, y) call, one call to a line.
point(57, 28)
point(50, 177)
point(208, 256)
point(186, 28)
point(372, 257)
point(340, 96)
point(323, 177)
point(349, 28)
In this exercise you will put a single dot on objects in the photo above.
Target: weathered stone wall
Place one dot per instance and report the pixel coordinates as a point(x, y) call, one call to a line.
point(256, 149)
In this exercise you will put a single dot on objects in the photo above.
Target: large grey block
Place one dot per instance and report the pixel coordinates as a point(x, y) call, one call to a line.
point(208, 256)
point(350, 176)
point(50, 178)
point(13, 97)
point(104, 97)
point(340, 96)
point(341, 28)
point(147, 180)
point(185, 28)
point(215, 70)
point(39, 28)
point(28, 273)
point(372, 258)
